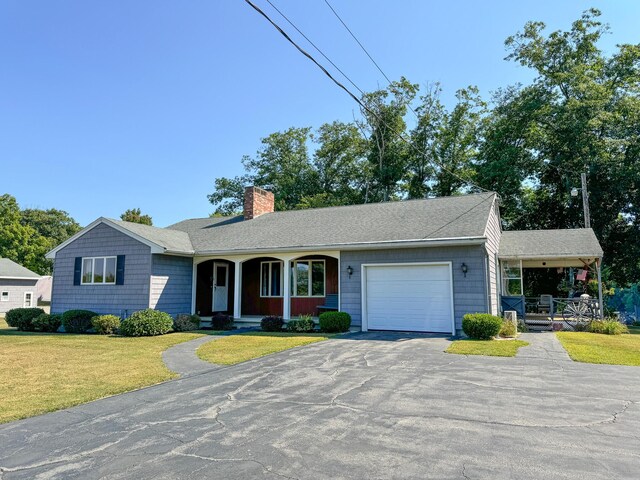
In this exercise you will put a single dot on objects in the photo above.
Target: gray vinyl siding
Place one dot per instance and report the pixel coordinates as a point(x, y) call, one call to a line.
point(17, 289)
point(469, 293)
point(102, 240)
point(493, 233)
point(171, 284)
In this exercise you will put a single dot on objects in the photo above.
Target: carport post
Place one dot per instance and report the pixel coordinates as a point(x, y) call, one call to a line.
point(599, 267)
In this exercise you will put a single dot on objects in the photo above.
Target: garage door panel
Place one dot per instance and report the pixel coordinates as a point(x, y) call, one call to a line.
point(409, 297)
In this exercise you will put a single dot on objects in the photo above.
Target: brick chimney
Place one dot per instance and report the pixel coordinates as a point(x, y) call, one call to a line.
point(257, 201)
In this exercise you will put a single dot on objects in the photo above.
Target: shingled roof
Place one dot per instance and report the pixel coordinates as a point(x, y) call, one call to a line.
point(10, 269)
point(170, 239)
point(443, 218)
point(575, 243)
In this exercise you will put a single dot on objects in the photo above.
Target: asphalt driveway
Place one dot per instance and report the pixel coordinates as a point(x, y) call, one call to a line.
point(366, 406)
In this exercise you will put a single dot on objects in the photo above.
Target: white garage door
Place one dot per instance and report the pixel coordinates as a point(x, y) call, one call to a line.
point(408, 297)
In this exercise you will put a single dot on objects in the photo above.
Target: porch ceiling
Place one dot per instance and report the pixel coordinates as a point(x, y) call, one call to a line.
point(552, 262)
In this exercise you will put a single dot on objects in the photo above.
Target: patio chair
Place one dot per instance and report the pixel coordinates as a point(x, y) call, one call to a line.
point(544, 304)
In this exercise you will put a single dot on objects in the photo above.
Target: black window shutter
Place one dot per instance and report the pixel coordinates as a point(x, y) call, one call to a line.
point(77, 271)
point(120, 270)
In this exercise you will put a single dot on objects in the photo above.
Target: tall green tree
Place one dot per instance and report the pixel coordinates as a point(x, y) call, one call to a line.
point(135, 215)
point(580, 114)
point(383, 124)
point(20, 241)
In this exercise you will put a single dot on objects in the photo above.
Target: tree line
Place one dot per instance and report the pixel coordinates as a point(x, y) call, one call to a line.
point(529, 143)
point(26, 235)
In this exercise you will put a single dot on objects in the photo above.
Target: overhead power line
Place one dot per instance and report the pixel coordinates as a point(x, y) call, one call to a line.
point(358, 41)
point(351, 94)
point(315, 46)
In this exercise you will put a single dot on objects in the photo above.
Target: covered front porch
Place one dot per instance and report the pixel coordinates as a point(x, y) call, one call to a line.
point(251, 287)
point(571, 300)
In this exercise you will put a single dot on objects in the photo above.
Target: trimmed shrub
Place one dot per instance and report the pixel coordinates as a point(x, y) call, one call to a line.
point(220, 321)
point(185, 322)
point(77, 321)
point(106, 324)
point(508, 330)
point(304, 324)
point(146, 323)
point(47, 323)
point(608, 327)
point(272, 323)
point(333, 322)
point(481, 326)
point(22, 318)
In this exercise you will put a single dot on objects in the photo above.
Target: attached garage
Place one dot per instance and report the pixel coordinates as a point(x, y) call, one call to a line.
point(416, 297)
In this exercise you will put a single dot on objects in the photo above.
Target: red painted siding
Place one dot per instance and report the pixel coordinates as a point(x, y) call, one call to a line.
point(252, 303)
point(308, 305)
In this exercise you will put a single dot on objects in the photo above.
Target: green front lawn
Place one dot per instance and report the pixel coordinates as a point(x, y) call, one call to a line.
point(492, 348)
point(246, 346)
point(42, 372)
point(597, 348)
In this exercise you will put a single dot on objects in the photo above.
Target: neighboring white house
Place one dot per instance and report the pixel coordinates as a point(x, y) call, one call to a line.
point(17, 286)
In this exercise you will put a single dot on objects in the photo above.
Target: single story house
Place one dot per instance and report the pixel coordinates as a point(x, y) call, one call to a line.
point(416, 265)
point(17, 286)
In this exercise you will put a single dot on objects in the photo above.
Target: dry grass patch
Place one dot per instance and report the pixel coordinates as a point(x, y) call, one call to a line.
point(246, 346)
point(45, 372)
point(597, 348)
point(492, 348)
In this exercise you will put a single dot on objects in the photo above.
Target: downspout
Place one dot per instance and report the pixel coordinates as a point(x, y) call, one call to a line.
point(487, 280)
point(599, 267)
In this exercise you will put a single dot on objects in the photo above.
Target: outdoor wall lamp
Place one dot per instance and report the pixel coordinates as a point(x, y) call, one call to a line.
point(464, 269)
point(349, 271)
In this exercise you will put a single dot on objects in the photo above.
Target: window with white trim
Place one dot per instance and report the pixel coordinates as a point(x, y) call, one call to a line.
point(271, 281)
point(4, 297)
point(512, 278)
point(308, 278)
point(98, 271)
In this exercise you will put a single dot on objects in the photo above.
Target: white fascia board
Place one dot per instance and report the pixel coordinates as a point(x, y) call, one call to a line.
point(20, 278)
point(155, 248)
point(393, 244)
point(549, 257)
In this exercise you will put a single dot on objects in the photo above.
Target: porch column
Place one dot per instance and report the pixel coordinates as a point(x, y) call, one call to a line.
point(237, 289)
point(194, 284)
point(600, 304)
point(286, 297)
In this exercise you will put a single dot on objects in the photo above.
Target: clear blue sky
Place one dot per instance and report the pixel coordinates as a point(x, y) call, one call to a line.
point(112, 105)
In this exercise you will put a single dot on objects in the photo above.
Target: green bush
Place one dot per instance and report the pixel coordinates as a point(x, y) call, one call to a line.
point(272, 323)
point(105, 324)
point(304, 324)
point(146, 323)
point(608, 327)
point(332, 322)
point(185, 322)
point(77, 321)
point(220, 321)
point(522, 326)
point(508, 330)
point(22, 318)
point(481, 326)
point(47, 323)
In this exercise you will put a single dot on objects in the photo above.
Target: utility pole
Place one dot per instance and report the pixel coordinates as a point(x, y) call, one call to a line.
point(585, 201)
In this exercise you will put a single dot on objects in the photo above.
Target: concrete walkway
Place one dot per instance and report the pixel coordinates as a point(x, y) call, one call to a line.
point(183, 360)
point(544, 346)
